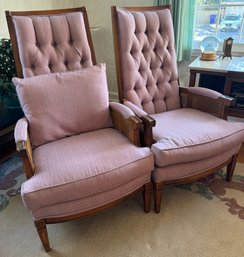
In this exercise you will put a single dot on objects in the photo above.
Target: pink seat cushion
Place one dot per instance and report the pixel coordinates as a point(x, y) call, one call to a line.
point(84, 165)
point(187, 135)
point(64, 104)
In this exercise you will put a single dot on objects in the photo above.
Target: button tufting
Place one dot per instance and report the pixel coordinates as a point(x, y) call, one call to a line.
point(66, 63)
point(50, 65)
point(55, 44)
point(38, 45)
point(33, 66)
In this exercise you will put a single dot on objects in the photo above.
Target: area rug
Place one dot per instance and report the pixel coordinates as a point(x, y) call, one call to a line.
point(11, 178)
point(203, 218)
point(215, 186)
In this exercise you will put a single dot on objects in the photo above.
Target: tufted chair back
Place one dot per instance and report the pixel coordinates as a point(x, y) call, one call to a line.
point(50, 41)
point(145, 57)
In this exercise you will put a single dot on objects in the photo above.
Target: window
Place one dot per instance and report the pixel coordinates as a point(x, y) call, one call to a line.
point(220, 18)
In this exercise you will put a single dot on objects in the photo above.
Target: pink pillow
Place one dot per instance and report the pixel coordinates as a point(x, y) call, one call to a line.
point(64, 104)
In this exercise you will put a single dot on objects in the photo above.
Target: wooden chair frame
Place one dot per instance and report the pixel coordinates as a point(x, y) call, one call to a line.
point(130, 127)
point(217, 107)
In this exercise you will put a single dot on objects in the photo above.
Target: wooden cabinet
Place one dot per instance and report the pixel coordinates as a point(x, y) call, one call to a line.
point(225, 76)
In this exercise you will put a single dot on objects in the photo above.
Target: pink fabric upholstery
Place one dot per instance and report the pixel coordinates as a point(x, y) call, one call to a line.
point(85, 165)
point(183, 170)
point(90, 202)
point(205, 92)
point(187, 135)
point(49, 44)
point(20, 130)
point(65, 104)
point(148, 60)
point(137, 110)
point(123, 110)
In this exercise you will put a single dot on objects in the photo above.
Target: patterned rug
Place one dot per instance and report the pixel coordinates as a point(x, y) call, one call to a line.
point(11, 177)
point(215, 186)
point(211, 187)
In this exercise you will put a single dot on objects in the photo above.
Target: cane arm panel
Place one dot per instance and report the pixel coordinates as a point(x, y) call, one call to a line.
point(206, 100)
point(126, 122)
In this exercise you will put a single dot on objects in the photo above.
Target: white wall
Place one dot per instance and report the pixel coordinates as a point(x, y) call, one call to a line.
point(99, 14)
point(23, 5)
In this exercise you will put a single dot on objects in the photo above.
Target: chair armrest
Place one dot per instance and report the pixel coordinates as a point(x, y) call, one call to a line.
point(206, 100)
point(148, 123)
point(23, 146)
point(138, 111)
point(126, 122)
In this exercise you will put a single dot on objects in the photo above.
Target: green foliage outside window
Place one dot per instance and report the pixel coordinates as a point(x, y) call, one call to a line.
point(7, 69)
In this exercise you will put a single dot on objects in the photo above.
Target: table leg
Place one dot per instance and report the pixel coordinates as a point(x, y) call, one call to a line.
point(227, 86)
point(192, 80)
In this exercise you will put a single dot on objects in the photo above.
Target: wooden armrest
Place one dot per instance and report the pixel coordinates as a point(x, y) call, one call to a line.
point(206, 100)
point(23, 146)
point(148, 124)
point(25, 150)
point(130, 127)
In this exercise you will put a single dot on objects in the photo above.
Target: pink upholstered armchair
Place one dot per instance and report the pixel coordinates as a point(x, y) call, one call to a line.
point(81, 153)
point(184, 127)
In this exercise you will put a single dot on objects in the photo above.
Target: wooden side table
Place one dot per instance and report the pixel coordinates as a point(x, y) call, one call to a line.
point(232, 70)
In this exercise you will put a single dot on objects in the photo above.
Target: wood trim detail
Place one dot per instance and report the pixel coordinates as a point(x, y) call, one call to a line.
point(13, 39)
point(147, 192)
point(25, 150)
point(231, 167)
point(42, 232)
point(117, 52)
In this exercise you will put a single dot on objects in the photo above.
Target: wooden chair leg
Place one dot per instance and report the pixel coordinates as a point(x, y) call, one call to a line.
point(42, 232)
point(157, 197)
point(147, 192)
point(231, 167)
